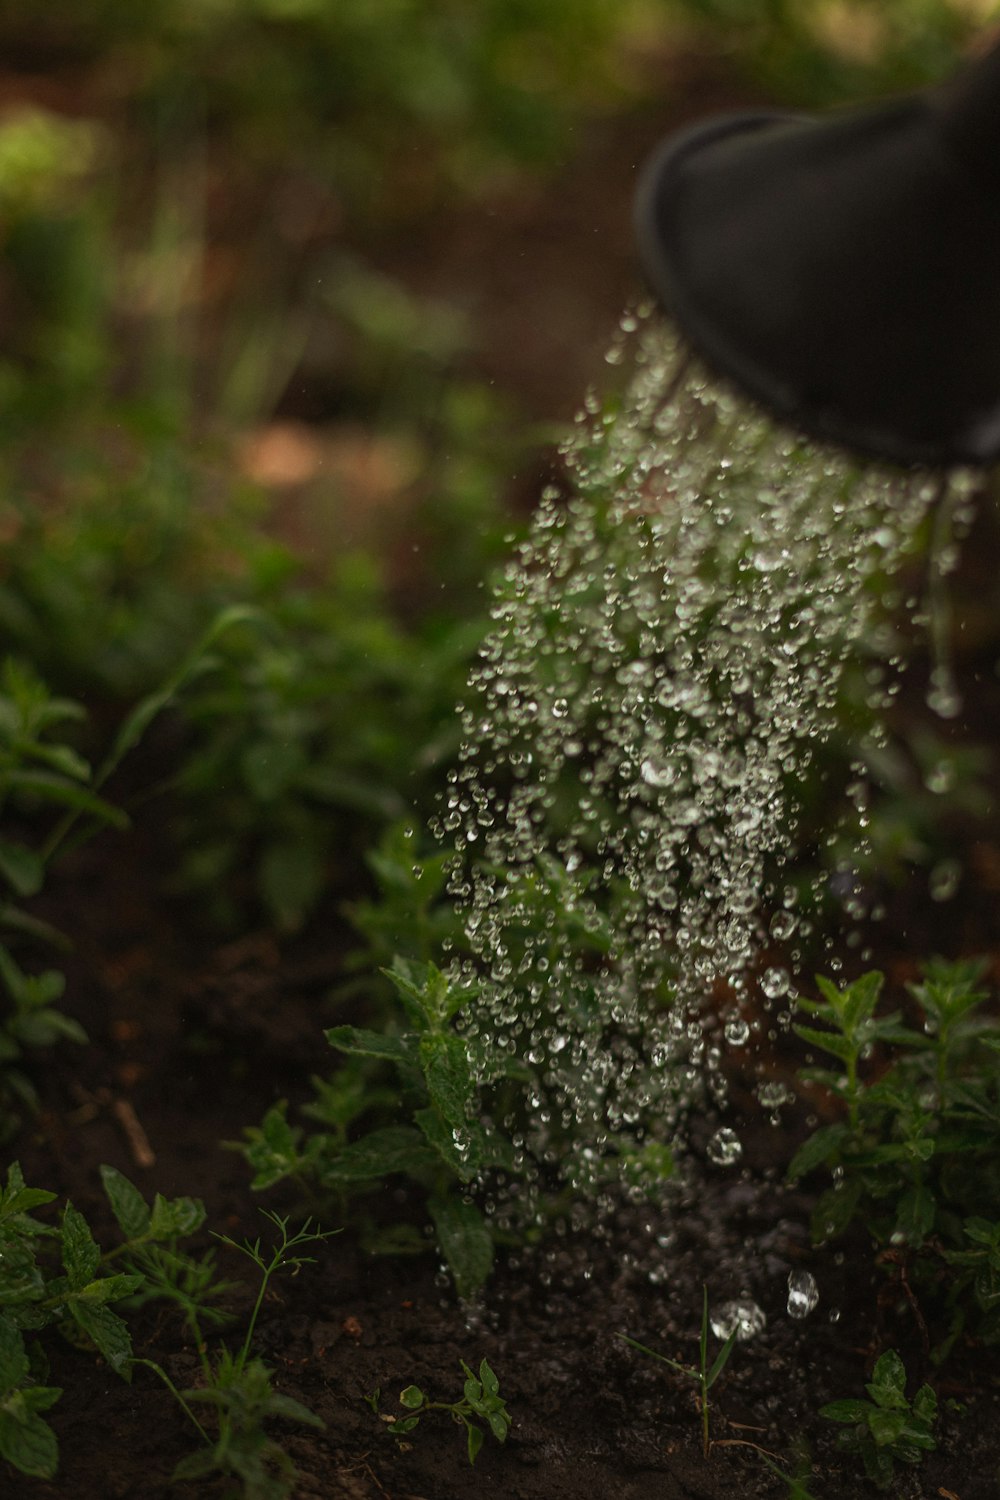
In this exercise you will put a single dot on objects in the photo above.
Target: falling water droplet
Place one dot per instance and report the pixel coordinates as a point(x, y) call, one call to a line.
point(725, 1147)
point(666, 651)
point(803, 1294)
point(742, 1314)
point(737, 1031)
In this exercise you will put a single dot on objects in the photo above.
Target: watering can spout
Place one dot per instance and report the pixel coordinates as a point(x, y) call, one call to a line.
point(844, 270)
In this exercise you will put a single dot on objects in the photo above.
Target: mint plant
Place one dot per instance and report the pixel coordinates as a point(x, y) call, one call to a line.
point(703, 1374)
point(480, 1399)
point(918, 1139)
point(916, 1155)
point(443, 1149)
point(889, 1428)
point(58, 1277)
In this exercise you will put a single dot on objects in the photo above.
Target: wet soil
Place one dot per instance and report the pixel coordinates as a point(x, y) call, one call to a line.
point(190, 1041)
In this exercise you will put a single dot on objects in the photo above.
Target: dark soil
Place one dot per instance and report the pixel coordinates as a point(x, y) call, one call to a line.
point(198, 1042)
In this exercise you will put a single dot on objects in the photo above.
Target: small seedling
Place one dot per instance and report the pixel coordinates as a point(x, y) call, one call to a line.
point(481, 1398)
point(239, 1388)
point(703, 1374)
point(889, 1427)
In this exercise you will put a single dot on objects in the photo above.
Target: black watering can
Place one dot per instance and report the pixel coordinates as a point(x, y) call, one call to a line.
point(845, 271)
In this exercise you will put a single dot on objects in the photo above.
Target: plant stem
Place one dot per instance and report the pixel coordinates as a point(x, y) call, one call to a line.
point(159, 1370)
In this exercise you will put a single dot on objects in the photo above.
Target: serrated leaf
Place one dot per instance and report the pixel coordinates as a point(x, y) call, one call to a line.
point(886, 1426)
point(14, 1363)
point(30, 1445)
point(396, 1148)
point(836, 1208)
point(826, 1041)
point(817, 1150)
point(108, 1331)
point(845, 1411)
point(445, 1062)
point(360, 1043)
point(442, 1138)
point(915, 1213)
point(465, 1241)
point(127, 1203)
point(111, 1288)
point(81, 1255)
point(888, 1383)
point(173, 1218)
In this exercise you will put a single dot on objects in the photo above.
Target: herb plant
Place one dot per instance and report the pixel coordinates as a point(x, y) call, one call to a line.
point(889, 1428)
point(58, 1277)
point(238, 1388)
point(444, 1148)
point(915, 1157)
point(480, 1399)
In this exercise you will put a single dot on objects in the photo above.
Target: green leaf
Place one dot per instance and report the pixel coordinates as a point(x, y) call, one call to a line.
point(827, 1041)
point(925, 1405)
point(846, 1411)
point(111, 1288)
point(108, 1331)
point(81, 1255)
point(352, 1039)
point(721, 1359)
point(465, 1241)
point(22, 868)
point(489, 1381)
point(444, 1058)
point(886, 1426)
point(28, 1442)
point(127, 1203)
point(428, 997)
point(173, 1218)
point(915, 1213)
point(475, 1440)
point(888, 1383)
point(279, 1405)
point(396, 1148)
point(53, 788)
point(14, 1363)
point(817, 1150)
point(836, 1208)
point(291, 875)
point(412, 1396)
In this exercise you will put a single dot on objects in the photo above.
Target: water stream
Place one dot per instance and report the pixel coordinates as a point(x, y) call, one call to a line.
point(655, 696)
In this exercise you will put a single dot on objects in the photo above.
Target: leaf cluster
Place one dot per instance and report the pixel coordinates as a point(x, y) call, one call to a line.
point(237, 1387)
point(888, 1428)
point(480, 1399)
point(443, 1150)
point(58, 1277)
point(915, 1157)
